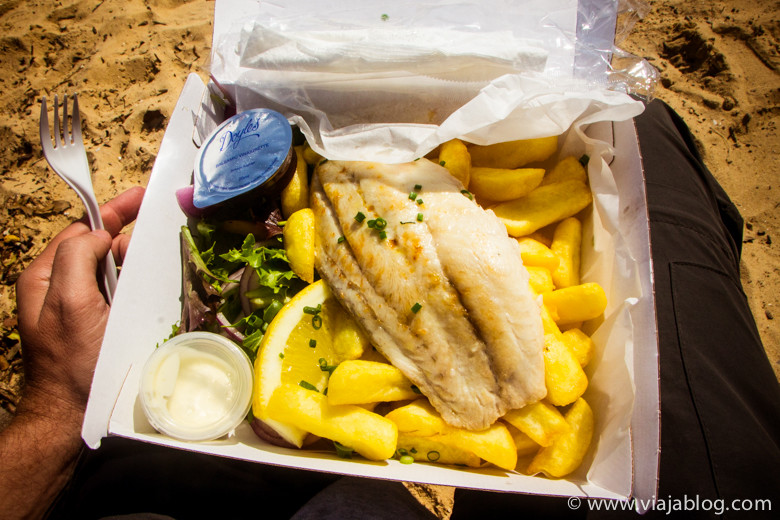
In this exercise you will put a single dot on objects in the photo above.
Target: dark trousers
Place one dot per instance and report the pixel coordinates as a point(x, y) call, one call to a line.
point(720, 400)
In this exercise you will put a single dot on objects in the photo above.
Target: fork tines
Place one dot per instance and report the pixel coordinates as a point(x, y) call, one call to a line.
point(61, 135)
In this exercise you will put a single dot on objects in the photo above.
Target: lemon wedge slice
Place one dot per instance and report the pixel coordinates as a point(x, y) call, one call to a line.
point(305, 337)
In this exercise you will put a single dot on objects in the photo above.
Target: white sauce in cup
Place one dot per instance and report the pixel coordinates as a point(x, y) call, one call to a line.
point(196, 386)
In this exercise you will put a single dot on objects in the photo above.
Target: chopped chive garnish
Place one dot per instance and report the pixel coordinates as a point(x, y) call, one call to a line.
point(417, 187)
point(312, 343)
point(342, 451)
point(325, 367)
point(413, 450)
point(433, 455)
point(322, 162)
point(341, 239)
point(313, 310)
point(385, 17)
point(308, 386)
point(281, 355)
point(413, 195)
point(442, 163)
point(584, 159)
point(383, 235)
point(419, 217)
point(401, 452)
point(406, 459)
point(468, 194)
point(377, 223)
point(419, 201)
point(416, 307)
point(360, 217)
point(416, 390)
point(316, 321)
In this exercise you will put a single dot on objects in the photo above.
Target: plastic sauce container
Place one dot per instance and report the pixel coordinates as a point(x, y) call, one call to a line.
point(244, 158)
point(196, 387)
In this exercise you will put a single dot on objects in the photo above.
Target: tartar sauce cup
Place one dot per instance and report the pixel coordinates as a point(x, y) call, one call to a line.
point(196, 386)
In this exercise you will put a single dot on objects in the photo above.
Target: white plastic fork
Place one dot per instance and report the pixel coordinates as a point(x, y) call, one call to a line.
point(68, 158)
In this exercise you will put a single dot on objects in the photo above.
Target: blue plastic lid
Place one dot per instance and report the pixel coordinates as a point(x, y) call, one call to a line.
point(241, 155)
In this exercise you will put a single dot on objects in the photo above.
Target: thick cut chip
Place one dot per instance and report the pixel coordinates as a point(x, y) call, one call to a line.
point(361, 382)
point(454, 156)
point(499, 184)
point(543, 206)
point(513, 154)
point(295, 195)
point(567, 451)
point(566, 244)
point(540, 421)
point(577, 303)
point(369, 434)
point(298, 236)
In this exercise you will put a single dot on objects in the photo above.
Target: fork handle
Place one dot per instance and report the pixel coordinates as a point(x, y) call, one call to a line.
point(109, 276)
point(108, 265)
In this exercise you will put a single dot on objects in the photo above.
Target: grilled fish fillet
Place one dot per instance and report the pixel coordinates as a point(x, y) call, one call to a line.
point(445, 299)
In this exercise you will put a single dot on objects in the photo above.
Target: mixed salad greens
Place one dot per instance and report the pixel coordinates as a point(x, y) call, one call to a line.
point(236, 276)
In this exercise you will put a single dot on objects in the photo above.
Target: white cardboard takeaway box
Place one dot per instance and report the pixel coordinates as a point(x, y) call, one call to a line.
point(623, 392)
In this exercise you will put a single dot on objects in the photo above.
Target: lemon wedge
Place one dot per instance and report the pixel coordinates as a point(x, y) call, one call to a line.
point(301, 341)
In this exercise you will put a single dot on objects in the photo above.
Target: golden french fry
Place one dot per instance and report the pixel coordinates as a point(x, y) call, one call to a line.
point(298, 234)
point(548, 323)
point(349, 340)
point(525, 445)
point(566, 244)
point(541, 236)
point(563, 374)
point(310, 156)
point(567, 450)
point(540, 279)
point(567, 169)
point(295, 195)
point(513, 154)
point(577, 303)
point(494, 444)
point(359, 382)
point(536, 254)
point(454, 155)
point(540, 421)
point(369, 434)
point(418, 418)
point(581, 344)
point(543, 206)
point(430, 449)
point(500, 184)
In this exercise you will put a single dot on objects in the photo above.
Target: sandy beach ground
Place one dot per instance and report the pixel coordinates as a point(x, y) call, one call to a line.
point(128, 60)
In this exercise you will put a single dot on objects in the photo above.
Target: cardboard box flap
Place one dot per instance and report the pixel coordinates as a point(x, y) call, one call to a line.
point(139, 320)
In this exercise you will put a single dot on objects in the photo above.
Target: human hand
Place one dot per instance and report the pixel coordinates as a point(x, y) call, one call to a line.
point(62, 313)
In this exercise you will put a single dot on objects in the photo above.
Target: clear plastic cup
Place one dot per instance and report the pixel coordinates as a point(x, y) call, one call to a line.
point(196, 386)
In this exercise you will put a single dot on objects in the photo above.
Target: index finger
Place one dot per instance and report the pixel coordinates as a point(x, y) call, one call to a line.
point(122, 210)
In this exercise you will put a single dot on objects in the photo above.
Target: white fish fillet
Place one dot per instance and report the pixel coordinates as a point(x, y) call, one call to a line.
point(474, 347)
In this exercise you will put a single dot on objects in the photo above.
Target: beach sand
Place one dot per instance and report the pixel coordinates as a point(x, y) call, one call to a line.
point(128, 59)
